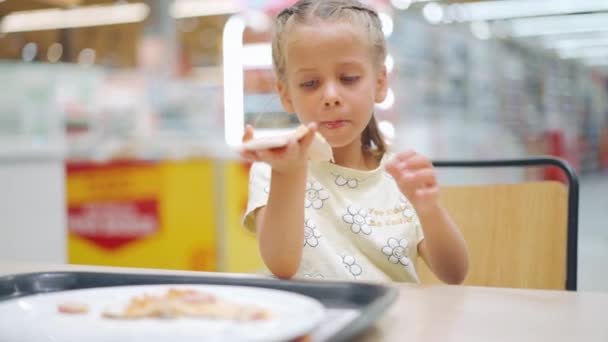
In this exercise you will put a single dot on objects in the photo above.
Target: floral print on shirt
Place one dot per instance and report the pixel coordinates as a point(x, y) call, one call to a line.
point(344, 181)
point(350, 264)
point(407, 209)
point(358, 219)
point(397, 251)
point(311, 234)
point(315, 195)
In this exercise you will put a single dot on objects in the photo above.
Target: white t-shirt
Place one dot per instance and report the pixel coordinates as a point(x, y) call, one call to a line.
point(358, 225)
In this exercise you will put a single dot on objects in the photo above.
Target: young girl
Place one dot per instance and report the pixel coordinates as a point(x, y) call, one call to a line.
point(368, 215)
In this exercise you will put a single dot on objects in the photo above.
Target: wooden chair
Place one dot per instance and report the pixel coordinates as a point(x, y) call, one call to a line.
point(518, 235)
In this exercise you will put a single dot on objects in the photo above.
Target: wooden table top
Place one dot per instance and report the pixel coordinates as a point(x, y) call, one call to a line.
point(454, 313)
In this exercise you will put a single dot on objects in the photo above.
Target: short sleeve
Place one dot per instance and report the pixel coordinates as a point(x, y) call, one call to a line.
point(259, 187)
point(419, 232)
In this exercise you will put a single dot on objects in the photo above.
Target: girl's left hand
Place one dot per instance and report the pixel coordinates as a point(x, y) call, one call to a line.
point(416, 179)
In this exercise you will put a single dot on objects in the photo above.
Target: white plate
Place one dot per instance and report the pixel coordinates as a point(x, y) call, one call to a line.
point(319, 150)
point(265, 143)
point(35, 318)
point(274, 141)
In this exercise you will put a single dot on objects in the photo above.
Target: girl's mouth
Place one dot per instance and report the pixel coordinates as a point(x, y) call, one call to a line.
point(334, 124)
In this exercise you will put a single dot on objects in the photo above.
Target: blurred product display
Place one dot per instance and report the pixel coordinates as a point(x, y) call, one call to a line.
point(137, 104)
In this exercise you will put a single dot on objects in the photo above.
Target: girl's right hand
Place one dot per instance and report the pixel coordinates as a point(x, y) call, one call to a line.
point(286, 159)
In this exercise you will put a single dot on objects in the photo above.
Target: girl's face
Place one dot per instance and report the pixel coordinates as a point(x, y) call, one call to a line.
point(331, 78)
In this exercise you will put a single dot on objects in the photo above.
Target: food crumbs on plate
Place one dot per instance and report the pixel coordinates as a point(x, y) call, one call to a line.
point(187, 303)
point(73, 308)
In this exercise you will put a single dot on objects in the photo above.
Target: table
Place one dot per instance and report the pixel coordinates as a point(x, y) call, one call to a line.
point(453, 313)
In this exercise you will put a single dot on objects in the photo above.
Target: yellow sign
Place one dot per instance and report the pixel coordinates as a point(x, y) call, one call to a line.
point(142, 214)
point(241, 248)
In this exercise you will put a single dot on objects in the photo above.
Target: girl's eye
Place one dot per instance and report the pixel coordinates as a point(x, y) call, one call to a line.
point(350, 79)
point(308, 84)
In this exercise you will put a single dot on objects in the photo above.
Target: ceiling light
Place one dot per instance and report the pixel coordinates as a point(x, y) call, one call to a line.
point(401, 4)
point(509, 9)
point(50, 19)
point(529, 27)
point(389, 63)
point(388, 102)
point(481, 30)
point(387, 24)
point(433, 12)
point(387, 129)
point(199, 8)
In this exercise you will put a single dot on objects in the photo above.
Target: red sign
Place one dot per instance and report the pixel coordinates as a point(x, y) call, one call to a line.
point(111, 225)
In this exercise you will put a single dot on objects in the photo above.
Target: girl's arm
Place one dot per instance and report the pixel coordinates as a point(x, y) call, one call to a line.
point(280, 224)
point(443, 248)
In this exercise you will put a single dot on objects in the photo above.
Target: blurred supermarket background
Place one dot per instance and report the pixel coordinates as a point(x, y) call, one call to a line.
point(117, 117)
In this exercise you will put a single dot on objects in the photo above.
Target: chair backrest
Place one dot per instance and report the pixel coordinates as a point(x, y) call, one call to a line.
point(516, 234)
point(519, 235)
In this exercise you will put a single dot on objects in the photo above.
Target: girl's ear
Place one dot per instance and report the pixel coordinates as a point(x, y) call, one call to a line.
point(381, 84)
point(285, 98)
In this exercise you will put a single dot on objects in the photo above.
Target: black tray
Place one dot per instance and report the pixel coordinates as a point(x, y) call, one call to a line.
point(351, 307)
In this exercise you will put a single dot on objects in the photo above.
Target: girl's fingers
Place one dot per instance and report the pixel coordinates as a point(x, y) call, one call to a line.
point(413, 181)
point(424, 178)
point(249, 156)
point(417, 162)
point(268, 156)
point(291, 151)
point(248, 134)
point(404, 156)
point(406, 181)
point(391, 169)
point(394, 167)
point(273, 155)
point(308, 138)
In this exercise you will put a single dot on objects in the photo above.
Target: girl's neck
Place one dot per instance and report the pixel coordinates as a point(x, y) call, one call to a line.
point(353, 156)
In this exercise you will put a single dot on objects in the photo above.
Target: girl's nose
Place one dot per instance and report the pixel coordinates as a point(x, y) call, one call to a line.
point(332, 98)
